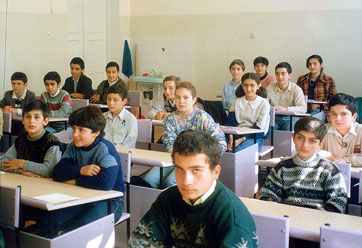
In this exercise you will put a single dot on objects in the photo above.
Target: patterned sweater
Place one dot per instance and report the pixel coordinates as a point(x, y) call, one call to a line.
point(315, 183)
point(221, 221)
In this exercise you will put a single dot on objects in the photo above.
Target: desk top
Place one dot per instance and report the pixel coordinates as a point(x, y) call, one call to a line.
point(32, 187)
point(316, 102)
point(304, 222)
point(290, 113)
point(51, 119)
point(158, 123)
point(239, 130)
point(146, 157)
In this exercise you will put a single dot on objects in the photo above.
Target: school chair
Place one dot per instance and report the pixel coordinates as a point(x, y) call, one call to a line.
point(144, 134)
point(266, 149)
point(273, 230)
point(79, 103)
point(345, 169)
point(126, 158)
point(10, 213)
point(135, 100)
point(333, 237)
point(63, 136)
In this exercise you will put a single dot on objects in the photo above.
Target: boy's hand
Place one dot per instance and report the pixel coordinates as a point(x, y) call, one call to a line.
point(73, 182)
point(7, 108)
point(160, 115)
point(29, 174)
point(77, 95)
point(13, 110)
point(14, 164)
point(90, 170)
point(230, 143)
point(281, 108)
point(95, 98)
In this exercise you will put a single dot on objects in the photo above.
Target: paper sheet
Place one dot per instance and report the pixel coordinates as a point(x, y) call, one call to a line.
point(56, 198)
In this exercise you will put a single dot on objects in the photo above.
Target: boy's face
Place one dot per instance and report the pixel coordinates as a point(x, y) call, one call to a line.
point(76, 71)
point(83, 136)
point(115, 103)
point(184, 101)
point(236, 71)
point(34, 123)
point(314, 66)
point(112, 73)
point(260, 69)
point(51, 86)
point(306, 144)
point(18, 87)
point(342, 118)
point(193, 175)
point(169, 88)
point(282, 76)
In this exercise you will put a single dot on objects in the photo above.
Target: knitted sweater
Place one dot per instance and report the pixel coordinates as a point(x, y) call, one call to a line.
point(8, 99)
point(221, 221)
point(102, 153)
point(315, 183)
point(103, 87)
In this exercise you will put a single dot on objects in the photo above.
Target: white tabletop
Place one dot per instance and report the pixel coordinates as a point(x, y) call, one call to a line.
point(51, 119)
point(316, 102)
point(290, 113)
point(33, 187)
point(304, 222)
point(239, 130)
point(147, 157)
point(158, 123)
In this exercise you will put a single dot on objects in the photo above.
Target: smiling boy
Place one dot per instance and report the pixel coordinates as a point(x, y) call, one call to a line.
point(306, 179)
point(199, 211)
point(261, 68)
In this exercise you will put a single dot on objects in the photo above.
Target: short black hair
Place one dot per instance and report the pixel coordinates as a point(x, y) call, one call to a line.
point(314, 56)
point(37, 105)
point(90, 117)
point(285, 65)
point(344, 99)
point(311, 124)
point(120, 90)
point(262, 60)
point(192, 142)
point(239, 92)
point(112, 64)
point(77, 61)
point(53, 76)
point(19, 76)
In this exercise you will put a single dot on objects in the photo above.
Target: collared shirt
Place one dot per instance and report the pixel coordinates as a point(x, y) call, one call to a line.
point(292, 97)
point(22, 97)
point(121, 130)
point(348, 146)
point(55, 93)
point(75, 84)
point(203, 198)
point(249, 113)
point(228, 94)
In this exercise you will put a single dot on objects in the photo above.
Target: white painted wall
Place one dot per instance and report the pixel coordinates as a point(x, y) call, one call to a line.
point(284, 30)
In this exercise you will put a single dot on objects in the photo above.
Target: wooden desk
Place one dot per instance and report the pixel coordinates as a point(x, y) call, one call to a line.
point(320, 103)
point(291, 114)
point(304, 222)
point(51, 119)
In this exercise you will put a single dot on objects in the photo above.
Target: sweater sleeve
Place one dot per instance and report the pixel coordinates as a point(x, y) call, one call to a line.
point(66, 169)
point(10, 154)
point(132, 133)
point(263, 119)
point(273, 187)
point(335, 188)
point(155, 109)
point(86, 88)
point(300, 106)
point(170, 134)
point(45, 169)
point(213, 129)
point(238, 236)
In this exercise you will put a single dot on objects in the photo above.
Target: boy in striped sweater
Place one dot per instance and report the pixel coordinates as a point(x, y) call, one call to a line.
point(306, 179)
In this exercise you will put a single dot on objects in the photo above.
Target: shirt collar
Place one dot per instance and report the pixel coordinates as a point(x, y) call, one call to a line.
point(55, 93)
point(253, 104)
point(22, 96)
point(351, 131)
point(276, 87)
point(120, 115)
point(232, 82)
point(112, 83)
point(203, 198)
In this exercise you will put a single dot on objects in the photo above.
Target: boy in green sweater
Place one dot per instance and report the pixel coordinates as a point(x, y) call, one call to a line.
point(199, 211)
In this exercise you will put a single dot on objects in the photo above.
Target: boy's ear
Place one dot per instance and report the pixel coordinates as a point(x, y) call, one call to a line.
point(216, 171)
point(26, 84)
point(125, 101)
point(97, 133)
point(46, 121)
point(321, 144)
point(354, 117)
point(290, 75)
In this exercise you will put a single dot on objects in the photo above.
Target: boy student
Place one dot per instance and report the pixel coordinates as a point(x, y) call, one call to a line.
point(261, 68)
point(306, 179)
point(78, 85)
point(121, 125)
point(344, 137)
point(112, 71)
point(161, 111)
point(90, 161)
point(199, 211)
point(236, 68)
point(37, 151)
point(14, 100)
point(316, 84)
point(57, 100)
point(285, 95)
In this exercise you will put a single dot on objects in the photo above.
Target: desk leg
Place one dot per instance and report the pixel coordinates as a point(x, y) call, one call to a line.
point(234, 143)
point(161, 176)
point(50, 224)
point(109, 205)
point(65, 125)
point(153, 134)
point(290, 123)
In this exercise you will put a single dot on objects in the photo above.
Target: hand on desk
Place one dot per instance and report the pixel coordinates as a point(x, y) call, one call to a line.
point(280, 108)
point(10, 109)
point(29, 174)
point(161, 115)
point(13, 164)
point(90, 170)
point(95, 98)
point(77, 95)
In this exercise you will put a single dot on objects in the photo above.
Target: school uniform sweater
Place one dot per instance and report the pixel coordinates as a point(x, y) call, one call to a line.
point(221, 220)
point(103, 88)
point(314, 183)
point(102, 153)
point(267, 79)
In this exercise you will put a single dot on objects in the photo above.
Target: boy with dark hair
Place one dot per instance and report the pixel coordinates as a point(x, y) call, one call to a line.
point(78, 85)
point(37, 151)
point(261, 68)
point(14, 100)
point(121, 125)
point(286, 96)
point(306, 179)
point(57, 100)
point(89, 161)
point(112, 71)
point(199, 211)
point(344, 137)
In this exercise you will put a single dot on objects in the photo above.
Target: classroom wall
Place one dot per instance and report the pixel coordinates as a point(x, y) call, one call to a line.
point(284, 30)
